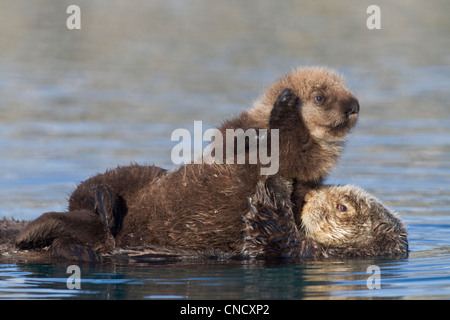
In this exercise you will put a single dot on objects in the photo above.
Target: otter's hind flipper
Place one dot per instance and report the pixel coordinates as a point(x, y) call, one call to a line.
point(40, 232)
point(75, 235)
point(67, 249)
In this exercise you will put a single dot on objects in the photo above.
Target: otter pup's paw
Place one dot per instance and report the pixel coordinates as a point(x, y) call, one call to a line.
point(106, 203)
point(286, 108)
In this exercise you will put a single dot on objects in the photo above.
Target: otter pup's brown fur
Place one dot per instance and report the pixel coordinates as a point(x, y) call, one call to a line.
point(329, 110)
point(201, 206)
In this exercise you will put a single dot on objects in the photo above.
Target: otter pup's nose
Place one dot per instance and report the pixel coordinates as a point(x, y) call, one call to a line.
point(354, 108)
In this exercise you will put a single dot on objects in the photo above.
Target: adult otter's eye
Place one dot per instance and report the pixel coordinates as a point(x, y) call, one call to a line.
point(341, 208)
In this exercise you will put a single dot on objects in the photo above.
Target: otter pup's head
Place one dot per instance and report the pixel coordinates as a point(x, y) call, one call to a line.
point(329, 109)
point(349, 221)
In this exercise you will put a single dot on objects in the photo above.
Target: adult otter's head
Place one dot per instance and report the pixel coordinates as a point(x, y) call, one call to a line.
point(329, 109)
point(348, 221)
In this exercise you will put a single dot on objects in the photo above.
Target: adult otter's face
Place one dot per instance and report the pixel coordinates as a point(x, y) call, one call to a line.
point(348, 217)
point(332, 216)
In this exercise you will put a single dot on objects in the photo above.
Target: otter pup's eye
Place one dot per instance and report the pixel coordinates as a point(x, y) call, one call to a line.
point(341, 208)
point(319, 99)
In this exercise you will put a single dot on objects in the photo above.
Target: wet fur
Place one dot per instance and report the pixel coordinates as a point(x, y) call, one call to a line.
point(321, 128)
point(194, 207)
point(270, 229)
point(366, 228)
point(201, 206)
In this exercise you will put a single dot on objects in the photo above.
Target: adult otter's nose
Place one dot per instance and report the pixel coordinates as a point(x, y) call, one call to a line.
point(353, 108)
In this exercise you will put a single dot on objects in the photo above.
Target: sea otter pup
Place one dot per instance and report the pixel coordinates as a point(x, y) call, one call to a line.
point(328, 112)
point(200, 206)
point(336, 221)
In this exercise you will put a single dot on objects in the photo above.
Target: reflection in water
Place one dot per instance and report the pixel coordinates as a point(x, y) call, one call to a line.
point(74, 103)
point(424, 277)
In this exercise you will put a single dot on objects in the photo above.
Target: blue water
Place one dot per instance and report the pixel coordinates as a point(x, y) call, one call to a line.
point(74, 103)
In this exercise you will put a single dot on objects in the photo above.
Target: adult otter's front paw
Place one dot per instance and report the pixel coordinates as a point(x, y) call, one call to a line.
point(286, 108)
point(269, 226)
